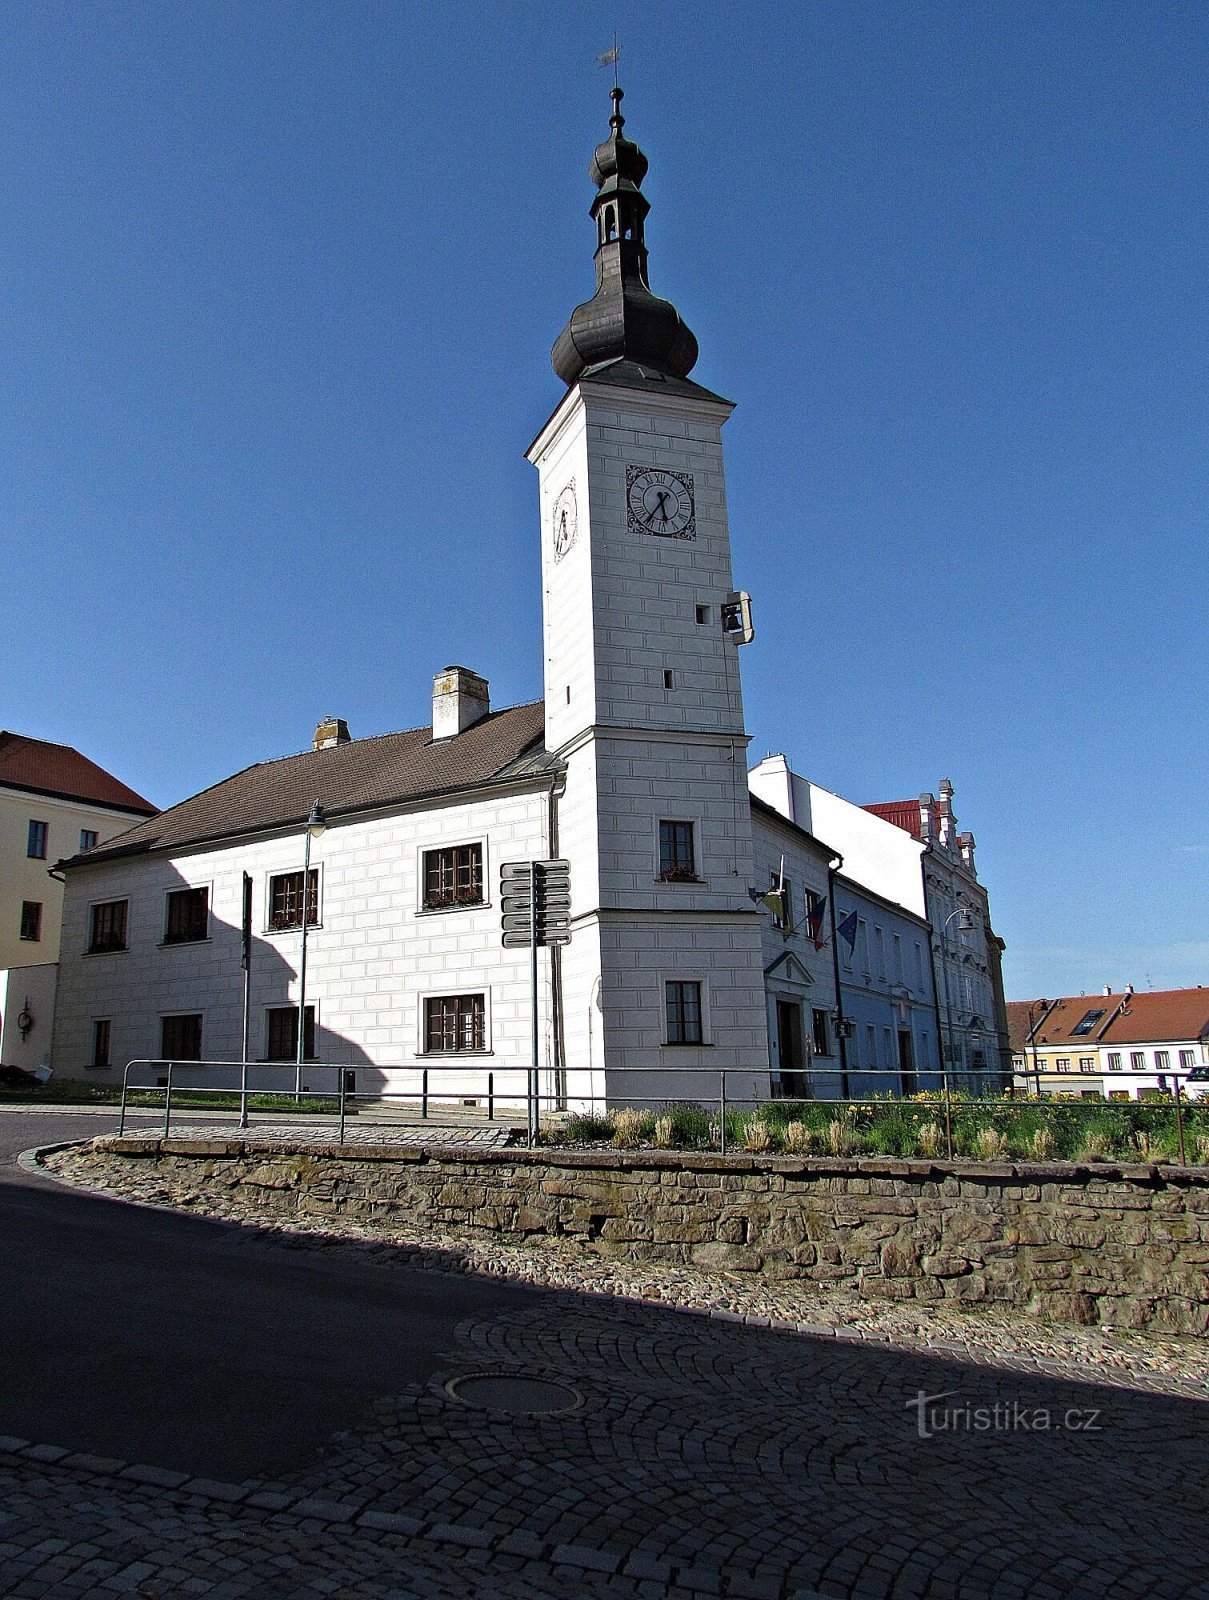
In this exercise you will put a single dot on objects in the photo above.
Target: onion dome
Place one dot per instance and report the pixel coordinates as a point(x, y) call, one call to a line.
point(623, 321)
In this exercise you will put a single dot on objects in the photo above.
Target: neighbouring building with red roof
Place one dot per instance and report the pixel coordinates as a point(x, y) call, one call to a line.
point(53, 802)
point(1122, 1044)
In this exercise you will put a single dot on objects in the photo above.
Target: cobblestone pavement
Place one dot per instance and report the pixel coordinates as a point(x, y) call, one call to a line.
point(703, 1456)
point(706, 1458)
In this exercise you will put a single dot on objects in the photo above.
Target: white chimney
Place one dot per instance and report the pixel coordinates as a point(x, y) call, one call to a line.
point(332, 730)
point(460, 698)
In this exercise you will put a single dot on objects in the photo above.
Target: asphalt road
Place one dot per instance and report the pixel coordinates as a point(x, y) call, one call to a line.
point(200, 1346)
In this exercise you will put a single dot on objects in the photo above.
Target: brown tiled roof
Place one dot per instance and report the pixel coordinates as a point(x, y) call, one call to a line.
point(360, 775)
point(1161, 1015)
point(1017, 1018)
point(56, 769)
point(903, 814)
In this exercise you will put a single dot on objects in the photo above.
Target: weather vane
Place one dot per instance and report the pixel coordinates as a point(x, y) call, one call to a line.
point(609, 59)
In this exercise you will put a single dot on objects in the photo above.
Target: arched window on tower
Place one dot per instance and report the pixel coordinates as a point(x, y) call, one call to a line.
point(610, 224)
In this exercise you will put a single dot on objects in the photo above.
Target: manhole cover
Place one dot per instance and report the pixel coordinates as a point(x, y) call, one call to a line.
point(514, 1393)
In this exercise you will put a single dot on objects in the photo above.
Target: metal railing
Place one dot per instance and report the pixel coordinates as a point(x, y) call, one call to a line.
point(714, 1089)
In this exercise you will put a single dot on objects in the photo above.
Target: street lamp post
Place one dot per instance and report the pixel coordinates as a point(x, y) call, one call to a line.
point(964, 926)
point(315, 824)
point(1032, 1030)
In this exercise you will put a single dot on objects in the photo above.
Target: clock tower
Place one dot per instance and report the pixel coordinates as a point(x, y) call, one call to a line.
point(642, 691)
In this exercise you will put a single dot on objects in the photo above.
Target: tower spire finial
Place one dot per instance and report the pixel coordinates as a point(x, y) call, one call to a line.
point(623, 321)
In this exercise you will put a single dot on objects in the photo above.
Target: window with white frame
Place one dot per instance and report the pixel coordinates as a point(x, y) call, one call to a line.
point(107, 926)
point(1087, 1063)
point(281, 1029)
point(820, 1032)
point(181, 1037)
point(1062, 1064)
point(453, 876)
point(187, 916)
point(677, 852)
point(101, 1032)
point(285, 900)
point(454, 1023)
point(684, 1017)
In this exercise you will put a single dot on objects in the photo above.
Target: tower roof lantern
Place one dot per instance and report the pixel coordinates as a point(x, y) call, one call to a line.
point(623, 321)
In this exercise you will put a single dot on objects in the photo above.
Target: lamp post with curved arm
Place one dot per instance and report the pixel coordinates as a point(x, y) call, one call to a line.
point(1042, 1006)
point(964, 926)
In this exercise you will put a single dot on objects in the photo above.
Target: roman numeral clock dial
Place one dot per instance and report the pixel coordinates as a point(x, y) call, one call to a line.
point(660, 502)
point(564, 521)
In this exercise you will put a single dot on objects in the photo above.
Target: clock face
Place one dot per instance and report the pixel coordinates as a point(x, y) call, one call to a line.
point(660, 502)
point(564, 521)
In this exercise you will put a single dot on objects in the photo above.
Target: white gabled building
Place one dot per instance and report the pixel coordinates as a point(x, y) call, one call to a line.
point(910, 854)
point(633, 769)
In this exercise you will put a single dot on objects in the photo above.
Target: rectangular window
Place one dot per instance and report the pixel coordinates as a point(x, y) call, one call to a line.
point(100, 1042)
point(1087, 1063)
point(870, 1045)
point(88, 839)
point(453, 877)
point(816, 911)
point(35, 846)
point(188, 916)
point(898, 958)
point(677, 860)
point(283, 1034)
point(1188, 1058)
point(285, 900)
point(1062, 1064)
point(1114, 1061)
point(31, 919)
point(107, 930)
point(1162, 1060)
point(819, 1032)
point(682, 1001)
point(456, 1022)
point(1086, 1023)
point(888, 1048)
point(879, 945)
point(862, 944)
point(180, 1038)
point(1137, 1060)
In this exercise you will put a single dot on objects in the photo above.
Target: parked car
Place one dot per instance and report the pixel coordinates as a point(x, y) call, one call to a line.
point(1196, 1084)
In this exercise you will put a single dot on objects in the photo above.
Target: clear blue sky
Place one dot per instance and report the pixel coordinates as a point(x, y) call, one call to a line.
point(279, 285)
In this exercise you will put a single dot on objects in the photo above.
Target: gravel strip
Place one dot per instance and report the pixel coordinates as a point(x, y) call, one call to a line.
point(1170, 1364)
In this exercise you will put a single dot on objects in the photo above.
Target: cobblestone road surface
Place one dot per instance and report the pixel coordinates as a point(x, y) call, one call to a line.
point(704, 1457)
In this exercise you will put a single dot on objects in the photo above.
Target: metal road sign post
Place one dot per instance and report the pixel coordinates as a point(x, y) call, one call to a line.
point(535, 909)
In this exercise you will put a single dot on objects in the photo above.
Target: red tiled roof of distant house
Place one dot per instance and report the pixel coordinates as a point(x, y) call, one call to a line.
point(56, 769)
point(903, 814)
point(1164, 1014)
point(1161, 1016)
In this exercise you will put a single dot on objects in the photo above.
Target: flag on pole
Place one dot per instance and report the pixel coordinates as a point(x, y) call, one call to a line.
point(814, 920)
point(847, 931)
point(609, 58)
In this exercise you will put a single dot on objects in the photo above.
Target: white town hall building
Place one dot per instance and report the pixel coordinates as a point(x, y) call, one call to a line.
point(632, 769)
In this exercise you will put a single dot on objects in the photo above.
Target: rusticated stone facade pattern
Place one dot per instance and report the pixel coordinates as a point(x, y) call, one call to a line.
point(1120, 1245)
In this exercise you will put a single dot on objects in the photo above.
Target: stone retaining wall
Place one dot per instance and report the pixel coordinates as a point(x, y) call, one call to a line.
point(1126, 1245)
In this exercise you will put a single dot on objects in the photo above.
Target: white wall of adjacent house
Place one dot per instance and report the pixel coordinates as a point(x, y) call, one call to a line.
point(883, 857)
point(27, 1008)
point(25, 879)
point(376, 957)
